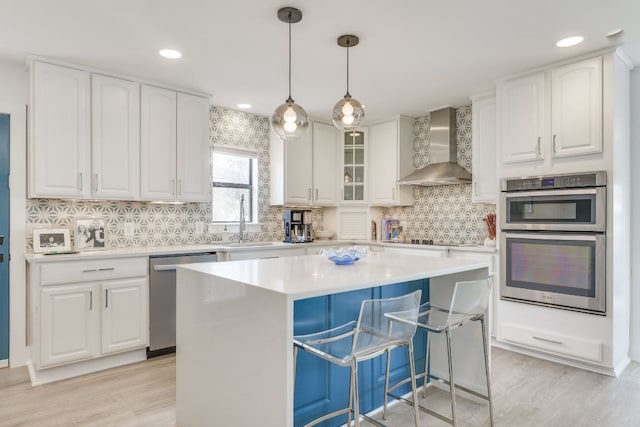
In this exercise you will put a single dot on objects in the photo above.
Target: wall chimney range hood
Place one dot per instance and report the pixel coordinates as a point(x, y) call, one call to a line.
point(444, 168)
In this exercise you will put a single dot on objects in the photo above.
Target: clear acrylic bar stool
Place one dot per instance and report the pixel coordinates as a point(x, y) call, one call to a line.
point(372, 335)
point(468, 304)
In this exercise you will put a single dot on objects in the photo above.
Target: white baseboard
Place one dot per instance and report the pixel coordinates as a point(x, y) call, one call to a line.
point(44, 376)
point(4, 363)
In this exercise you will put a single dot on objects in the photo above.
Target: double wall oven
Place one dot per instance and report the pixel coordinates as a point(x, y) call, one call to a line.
point(553, 241)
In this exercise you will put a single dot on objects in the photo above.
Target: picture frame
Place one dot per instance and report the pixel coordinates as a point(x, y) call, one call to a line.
point(51, 240)
point(89, 233)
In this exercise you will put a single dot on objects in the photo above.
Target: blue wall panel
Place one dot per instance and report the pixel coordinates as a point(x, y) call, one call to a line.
point(4, 231)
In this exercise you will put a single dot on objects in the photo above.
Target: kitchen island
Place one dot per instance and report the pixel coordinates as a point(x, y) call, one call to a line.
point(235, 323)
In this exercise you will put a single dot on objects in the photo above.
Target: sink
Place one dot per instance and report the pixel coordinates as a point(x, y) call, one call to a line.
point(249, 244)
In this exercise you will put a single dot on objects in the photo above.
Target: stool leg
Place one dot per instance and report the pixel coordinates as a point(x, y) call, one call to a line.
point(486, 369)
point(356, 397)
point(295, 362)
point(386, 385)
point(427, 358)
point(350, 398)
point(414, 387)
point(447, 332)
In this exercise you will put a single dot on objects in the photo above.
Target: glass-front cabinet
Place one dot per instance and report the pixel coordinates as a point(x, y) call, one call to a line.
point(354, 165)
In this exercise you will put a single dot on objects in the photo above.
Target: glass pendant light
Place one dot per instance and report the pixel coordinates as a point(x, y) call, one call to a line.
point(290, 120)
point(348, 113)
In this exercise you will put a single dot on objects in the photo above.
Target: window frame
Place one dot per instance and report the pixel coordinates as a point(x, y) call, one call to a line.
point(252, 203)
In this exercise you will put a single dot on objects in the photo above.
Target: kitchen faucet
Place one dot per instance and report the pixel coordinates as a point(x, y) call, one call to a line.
point(241, 226)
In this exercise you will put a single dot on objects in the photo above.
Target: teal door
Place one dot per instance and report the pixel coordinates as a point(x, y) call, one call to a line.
point(4, 237)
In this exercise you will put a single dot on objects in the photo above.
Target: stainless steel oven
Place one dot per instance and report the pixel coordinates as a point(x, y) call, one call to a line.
point(553, 241)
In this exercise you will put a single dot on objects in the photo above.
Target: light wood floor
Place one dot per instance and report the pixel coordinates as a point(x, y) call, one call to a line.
point(527, 392)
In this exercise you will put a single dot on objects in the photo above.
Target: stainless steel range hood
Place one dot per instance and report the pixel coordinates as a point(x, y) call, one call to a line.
point(444, 168)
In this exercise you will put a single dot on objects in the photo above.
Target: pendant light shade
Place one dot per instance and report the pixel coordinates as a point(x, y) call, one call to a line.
point(290, 120)
point(348, 113)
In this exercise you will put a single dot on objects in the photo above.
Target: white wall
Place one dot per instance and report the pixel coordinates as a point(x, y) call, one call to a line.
point(635, 214)
point(14, 89)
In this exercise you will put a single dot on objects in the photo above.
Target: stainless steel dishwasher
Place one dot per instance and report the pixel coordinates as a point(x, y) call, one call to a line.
point(162, 299)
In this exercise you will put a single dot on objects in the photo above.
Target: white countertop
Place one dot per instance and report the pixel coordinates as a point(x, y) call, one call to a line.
point(225, 247)
point(309, 276)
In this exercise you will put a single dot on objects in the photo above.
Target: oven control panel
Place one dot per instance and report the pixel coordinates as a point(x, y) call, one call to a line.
point(554, 182)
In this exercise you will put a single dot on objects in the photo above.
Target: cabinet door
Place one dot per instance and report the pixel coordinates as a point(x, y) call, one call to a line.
point(115, 142)
point(193, 156)
point(157, 143)
point(521, 122)
point(354, 167)
point(576, 108)
point(69, 324)
point(124, 315)
point(299, 169)
point(325, 164)
point(485, 181)
point(383, 163)
point(60, 139)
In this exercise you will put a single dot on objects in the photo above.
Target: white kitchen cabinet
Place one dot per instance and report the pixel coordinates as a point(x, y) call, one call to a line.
point(552, 114)
point(354, 167)
point(576, 108)
point(87, 315)
point(158, 143)
point(124, 315)
point(390, 158)
point(420, 251)
point(59, 151)
point(174, 146)
point(521, 129)
point(263, 254)
point(326, 146)
point(115, 138)
point(192, 146)
point(483, 149)
point(69, 321)
point(304, 171)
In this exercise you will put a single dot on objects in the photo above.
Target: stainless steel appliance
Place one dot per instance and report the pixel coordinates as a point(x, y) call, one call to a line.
point(298, 226)
point(162, 299)
point(553, 241)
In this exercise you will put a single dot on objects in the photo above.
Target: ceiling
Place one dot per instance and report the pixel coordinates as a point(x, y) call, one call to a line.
point(413, 56)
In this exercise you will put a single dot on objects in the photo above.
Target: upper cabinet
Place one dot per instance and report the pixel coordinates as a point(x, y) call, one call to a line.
point(354, 154)
point(483, 149)
point(555, 113)
point(59, 151)
point(174, 146)
point(86, 133)
point(576, 108)
point(521, 131)
point(115, 138)
point(390, 158)
point(304, 171)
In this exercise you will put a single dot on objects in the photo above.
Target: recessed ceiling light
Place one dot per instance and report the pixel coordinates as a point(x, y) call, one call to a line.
point(615, 32)
point(570, 41)
point(170, 53)
point(244, 106)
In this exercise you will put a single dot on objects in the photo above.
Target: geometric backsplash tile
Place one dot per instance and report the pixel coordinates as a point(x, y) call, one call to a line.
point(443, 213)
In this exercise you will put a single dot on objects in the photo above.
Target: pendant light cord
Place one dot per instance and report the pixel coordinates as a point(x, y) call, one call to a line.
point(348, 95)
point(290, 59)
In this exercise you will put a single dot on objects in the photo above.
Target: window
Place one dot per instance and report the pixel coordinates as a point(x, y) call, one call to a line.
point(234, 174)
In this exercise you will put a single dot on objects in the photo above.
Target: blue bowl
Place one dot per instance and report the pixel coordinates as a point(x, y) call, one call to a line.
point(343, 260)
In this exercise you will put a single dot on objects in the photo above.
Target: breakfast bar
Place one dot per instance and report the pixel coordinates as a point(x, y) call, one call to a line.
point(235, 323)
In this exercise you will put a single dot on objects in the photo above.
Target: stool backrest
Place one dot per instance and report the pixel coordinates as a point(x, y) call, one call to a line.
point(471, 297)
point(375, 328)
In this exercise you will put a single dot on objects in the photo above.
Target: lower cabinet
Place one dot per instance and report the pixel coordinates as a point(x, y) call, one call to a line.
point(69, 324)
point(322, 387)
point(78, 320)
point(124, 315)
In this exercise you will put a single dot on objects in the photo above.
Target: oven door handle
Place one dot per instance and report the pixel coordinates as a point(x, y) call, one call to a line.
point(543, 193)
point(589, 237)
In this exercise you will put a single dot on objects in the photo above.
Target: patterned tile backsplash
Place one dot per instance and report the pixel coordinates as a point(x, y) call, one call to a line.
point(442, 213)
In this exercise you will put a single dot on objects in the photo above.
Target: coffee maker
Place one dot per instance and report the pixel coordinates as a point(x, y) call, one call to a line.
point(297, 226)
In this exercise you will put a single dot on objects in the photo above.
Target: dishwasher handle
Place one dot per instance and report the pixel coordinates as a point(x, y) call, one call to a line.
point(165, 267)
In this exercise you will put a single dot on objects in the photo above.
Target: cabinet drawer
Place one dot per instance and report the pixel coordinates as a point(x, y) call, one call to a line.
point(553, 343)
point(92, 270)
